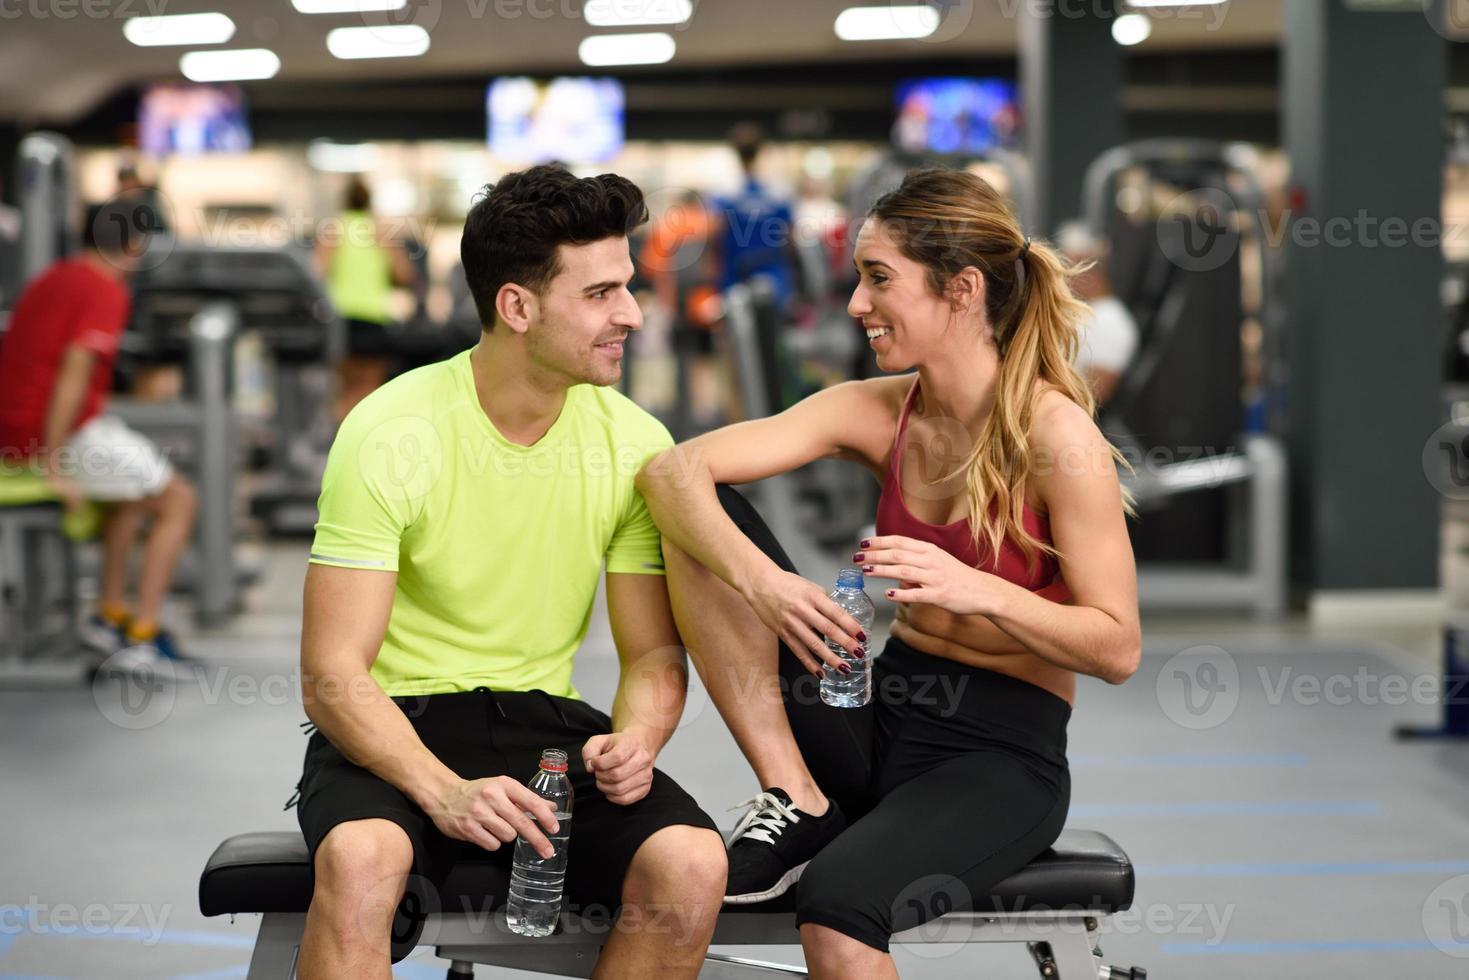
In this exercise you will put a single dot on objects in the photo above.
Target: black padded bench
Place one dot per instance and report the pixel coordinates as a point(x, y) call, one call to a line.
point(1054, 905)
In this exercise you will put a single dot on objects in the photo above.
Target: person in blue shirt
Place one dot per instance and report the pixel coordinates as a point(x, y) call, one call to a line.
point(756, 226)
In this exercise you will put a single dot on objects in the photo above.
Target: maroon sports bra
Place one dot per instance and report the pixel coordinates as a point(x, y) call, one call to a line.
point(893, 517)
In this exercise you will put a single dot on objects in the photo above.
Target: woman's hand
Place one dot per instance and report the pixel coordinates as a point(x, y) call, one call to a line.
point(801, 614)
point(927, 573)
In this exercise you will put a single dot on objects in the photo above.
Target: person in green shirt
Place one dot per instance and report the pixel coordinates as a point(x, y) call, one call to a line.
point(466, 512)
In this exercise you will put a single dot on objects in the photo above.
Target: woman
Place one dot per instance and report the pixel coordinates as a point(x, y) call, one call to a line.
point(955, 776)
point(361, 265)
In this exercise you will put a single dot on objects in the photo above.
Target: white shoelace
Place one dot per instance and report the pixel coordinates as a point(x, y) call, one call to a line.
point(766, 816)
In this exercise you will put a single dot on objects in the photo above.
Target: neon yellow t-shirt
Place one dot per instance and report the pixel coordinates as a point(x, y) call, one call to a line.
point(497, 546)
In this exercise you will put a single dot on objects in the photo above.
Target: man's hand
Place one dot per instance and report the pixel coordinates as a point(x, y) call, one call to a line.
point(622, 764)
point(66, 489)
point(491, 812)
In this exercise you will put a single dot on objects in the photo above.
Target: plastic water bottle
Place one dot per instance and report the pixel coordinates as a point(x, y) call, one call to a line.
point(535, 882)
point(855, 689)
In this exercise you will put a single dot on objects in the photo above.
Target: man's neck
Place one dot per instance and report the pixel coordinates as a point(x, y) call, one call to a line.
point(101, 265)
point(519, 401)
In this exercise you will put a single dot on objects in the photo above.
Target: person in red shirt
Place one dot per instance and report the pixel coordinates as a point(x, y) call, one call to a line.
point(56, 370)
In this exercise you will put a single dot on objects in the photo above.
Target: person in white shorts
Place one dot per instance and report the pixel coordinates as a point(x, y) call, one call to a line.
point(56, 371)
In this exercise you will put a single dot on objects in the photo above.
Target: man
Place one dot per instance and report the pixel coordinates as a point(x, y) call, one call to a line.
point(755, 236)
point(465, 513)
point(56, 372)
point(1109, 336)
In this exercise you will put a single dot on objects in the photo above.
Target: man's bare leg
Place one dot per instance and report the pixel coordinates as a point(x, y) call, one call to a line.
point(173, 521)
point(670, 901)
point(361, 871)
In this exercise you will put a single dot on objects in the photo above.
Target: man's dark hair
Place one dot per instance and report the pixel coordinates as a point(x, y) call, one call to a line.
point(513, 231)
point(747, 138)
point(357, 197)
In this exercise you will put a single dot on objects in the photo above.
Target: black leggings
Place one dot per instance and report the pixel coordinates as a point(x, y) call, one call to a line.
point(952, 778)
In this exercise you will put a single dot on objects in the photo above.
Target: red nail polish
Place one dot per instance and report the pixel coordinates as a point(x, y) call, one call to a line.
point(865, 542)
point(866, 568)
point(890, 593)
point(861, 637)
point(844, 668)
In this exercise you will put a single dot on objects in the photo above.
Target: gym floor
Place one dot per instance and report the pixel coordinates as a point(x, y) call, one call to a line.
point(1232, 768)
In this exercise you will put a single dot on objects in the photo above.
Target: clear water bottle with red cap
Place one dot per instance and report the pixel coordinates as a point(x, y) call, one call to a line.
point(536, 882)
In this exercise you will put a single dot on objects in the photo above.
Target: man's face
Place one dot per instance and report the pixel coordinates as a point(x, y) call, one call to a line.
point(586, 313)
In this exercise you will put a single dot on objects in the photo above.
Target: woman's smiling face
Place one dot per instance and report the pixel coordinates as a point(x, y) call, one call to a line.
point(903, 316)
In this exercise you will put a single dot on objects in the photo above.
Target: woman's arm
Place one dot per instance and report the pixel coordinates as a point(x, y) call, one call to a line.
point(1099, 633)
point(844, 421)
point(1096, 632)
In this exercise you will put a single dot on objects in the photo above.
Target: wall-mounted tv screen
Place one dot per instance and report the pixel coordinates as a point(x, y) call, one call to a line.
point(192, 118)
point(956, 115)
point(571, 119)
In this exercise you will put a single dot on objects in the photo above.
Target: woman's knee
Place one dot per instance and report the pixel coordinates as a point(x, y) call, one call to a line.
point(830, 894)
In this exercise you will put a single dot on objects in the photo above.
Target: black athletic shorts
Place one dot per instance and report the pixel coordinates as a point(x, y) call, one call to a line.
point(366, 338)
point(484, 733)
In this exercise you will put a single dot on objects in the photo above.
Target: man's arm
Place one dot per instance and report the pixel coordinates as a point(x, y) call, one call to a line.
point(67, 394)
point(654, 672)
point(650, 688)
point(345, 619)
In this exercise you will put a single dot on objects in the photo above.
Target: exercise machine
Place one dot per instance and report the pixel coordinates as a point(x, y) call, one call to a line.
point(1209, 479)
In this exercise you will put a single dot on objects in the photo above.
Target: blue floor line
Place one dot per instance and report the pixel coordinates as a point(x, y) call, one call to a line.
point(1279, 948)
point(1263, 808)
point(228, 973)
point(1300, 869)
